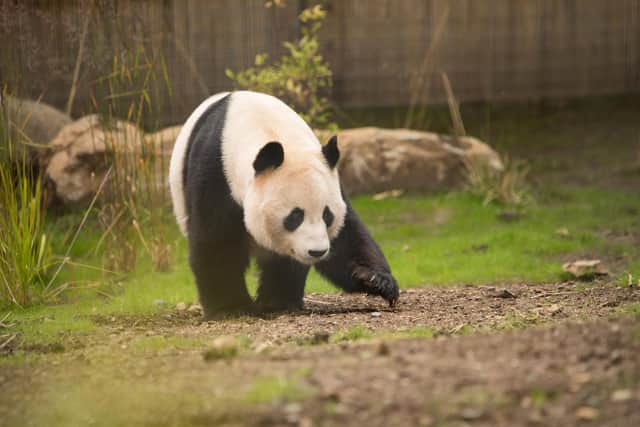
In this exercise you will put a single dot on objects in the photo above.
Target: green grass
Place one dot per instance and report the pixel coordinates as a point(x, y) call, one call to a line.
point(631, 309)
point(271, 388)
point(361, 332)
point(353, 333)
point(155, 343)
point(429, 240)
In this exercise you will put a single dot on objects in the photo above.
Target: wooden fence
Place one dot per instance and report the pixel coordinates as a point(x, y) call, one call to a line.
point(382, 52)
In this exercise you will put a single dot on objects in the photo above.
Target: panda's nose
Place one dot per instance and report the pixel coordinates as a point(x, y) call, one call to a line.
point(317, 254)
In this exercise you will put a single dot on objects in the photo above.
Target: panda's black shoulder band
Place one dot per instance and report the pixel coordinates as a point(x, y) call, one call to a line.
point(270, 156)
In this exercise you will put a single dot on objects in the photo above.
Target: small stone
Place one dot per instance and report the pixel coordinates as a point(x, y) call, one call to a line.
point(509, 216)
point(263, 347)
point(471, 413)
point(587, 413)
point(181, 306)
point(159, 303)
point(376, 314)
point(383, 349)
point(425, 421)
point(585, 268)
point(554, 309)
point(582, 378)
point(223, 347)
point(195, 309)
point(621, 395)
point(293, 408)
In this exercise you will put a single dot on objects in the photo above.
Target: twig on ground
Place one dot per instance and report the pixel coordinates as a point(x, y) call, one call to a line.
point(316, 301)
point(6, 343)
point(553, 294)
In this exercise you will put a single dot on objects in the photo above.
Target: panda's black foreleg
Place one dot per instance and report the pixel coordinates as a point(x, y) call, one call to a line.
point(281, 283)
point(356, 262)
point(219, 268)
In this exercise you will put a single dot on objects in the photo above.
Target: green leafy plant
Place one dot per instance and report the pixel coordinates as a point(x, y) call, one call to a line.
point(301, 77)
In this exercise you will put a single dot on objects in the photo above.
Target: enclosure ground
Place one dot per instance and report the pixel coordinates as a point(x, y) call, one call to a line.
point(551, 354)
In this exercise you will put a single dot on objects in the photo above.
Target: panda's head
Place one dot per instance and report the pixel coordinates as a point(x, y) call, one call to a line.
point(294, 206)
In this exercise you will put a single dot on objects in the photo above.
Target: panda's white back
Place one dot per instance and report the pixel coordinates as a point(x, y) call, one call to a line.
point(254, 119)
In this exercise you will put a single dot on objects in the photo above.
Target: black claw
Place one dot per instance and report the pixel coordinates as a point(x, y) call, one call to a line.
point(384, 285)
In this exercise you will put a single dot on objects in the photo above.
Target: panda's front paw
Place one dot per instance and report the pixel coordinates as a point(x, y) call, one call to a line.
point(378, 282)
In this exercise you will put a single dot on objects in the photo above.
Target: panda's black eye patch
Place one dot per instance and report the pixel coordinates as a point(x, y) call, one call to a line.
point(327, 216)
point(294, 219)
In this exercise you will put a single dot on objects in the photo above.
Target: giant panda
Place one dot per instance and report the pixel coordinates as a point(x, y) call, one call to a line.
point(248, 177)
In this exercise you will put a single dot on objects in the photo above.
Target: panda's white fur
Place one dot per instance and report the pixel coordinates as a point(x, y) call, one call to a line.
point(304, 180)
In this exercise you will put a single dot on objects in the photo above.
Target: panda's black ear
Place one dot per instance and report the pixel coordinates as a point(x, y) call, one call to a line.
point(270, 156)
point(331, 152)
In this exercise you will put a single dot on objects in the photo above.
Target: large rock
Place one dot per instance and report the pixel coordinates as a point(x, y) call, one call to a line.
point(81, 154)
point(373, 160)
point(32, 126)
point(79, 157)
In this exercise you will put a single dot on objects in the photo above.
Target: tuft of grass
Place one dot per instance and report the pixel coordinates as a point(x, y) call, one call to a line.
point(507, 186)
point(20, 358)
point(419, 332)
point(25, 248)
point(539, 397)
point(50, 324)
point(517, 321)
point(631, 309)
point(159, 342)
point(277, 388)
point(353, 333)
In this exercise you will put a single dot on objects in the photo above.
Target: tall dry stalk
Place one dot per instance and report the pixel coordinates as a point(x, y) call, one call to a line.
point(454, 108)
point(420, 82)
point(507, 185)
point(132, 210)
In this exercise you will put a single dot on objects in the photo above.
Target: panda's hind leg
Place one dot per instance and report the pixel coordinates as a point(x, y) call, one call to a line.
point(219, 268)
point(281, 283)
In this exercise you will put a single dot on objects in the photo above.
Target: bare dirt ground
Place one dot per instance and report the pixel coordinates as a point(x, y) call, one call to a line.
point(553, 354)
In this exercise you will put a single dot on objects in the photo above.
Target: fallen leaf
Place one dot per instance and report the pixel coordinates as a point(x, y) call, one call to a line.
point(501, 293)
point(587, 413)
point(621, 395)
point(471, 414)
point(554, 309)
point(388, 194)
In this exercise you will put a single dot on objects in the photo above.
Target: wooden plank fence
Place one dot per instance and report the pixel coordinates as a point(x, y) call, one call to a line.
point(382, 52)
